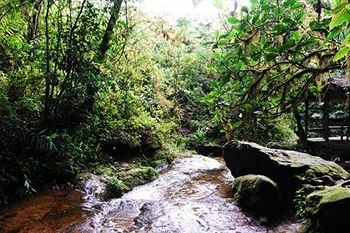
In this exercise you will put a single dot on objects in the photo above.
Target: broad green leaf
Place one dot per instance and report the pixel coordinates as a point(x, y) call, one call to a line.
point(255, 20)
point(332, 34)
point(248, 107)
point(346, 42)
point(313, 89)
point(339, 18)
point(296, 35)
point(339, 8)
point(233, 20)
point(341, 53)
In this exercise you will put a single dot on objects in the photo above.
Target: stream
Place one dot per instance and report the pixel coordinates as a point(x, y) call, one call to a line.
point(191, 196)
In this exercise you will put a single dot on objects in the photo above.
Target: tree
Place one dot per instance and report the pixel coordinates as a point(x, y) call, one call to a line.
point(340, 27)
point(110, 27)
point(267, 61)
point(33, 20)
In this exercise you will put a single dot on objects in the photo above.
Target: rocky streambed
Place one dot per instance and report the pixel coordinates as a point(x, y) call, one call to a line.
point(194, 195)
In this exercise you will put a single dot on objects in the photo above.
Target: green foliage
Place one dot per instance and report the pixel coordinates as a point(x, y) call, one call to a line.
point(116, 188)
point(300, 204)
point(64, 109)
point(266, 61)
point(340, 27)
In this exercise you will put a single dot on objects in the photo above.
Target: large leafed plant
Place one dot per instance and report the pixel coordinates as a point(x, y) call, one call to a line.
point(273, 53)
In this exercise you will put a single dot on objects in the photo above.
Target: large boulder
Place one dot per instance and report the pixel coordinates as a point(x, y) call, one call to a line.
point(330, 209)
point(257, 193)
point(289, 169)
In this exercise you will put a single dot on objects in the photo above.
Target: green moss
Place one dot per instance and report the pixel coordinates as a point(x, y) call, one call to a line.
point(327, 196)
point(150, 172)
point(329, 209)
point(257, 193)
point(137, 176)
point(332, 194)
point(115, 188)
point(104, 170)
point(250, 183)
point(159, 162)
point(328, 169)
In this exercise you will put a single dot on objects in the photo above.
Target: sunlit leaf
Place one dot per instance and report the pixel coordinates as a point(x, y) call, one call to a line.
point(233, 20)
point(341, 53)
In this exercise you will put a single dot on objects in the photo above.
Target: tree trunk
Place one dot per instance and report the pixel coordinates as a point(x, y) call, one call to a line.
point(110, 28)
point(33, 24)
point(47, 100)
point(300, 129)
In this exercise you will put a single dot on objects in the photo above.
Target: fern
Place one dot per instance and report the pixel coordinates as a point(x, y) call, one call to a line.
point(44, 143)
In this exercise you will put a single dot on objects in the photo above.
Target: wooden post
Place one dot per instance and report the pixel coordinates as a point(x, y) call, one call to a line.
point(326, 117)
point(341, 131)
point(306, 117)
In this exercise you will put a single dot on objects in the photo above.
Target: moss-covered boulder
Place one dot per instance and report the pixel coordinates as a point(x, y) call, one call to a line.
point(114, 189)
point(330, 209)
point(289, 169)
point(257, 193)
point(138, 176)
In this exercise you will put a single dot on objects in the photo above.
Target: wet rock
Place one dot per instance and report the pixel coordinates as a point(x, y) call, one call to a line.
point(101, 187)
point(289, 169)
point(330, 209)
point(115, 188)
point(94, 186)
point(111, 183)
point(257, 193)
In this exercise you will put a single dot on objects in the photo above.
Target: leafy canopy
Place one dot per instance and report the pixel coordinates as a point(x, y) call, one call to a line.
point(273, 52)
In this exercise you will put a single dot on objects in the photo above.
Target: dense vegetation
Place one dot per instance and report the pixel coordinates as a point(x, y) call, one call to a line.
point(82, 84)
point(273, 54)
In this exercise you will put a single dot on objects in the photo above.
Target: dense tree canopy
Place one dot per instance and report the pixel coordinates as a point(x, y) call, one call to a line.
point(273, 53)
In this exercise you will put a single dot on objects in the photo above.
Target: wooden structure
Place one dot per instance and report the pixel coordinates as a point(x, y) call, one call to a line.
point(329, 127)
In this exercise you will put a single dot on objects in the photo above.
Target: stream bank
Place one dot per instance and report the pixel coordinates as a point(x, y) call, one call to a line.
point(194, 195)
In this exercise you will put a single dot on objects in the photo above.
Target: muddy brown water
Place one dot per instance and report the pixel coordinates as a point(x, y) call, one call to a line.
point(191, 196)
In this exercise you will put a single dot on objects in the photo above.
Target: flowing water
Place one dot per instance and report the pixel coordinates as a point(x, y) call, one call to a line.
point(191, 196)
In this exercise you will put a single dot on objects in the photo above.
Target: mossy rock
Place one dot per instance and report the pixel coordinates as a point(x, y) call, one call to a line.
point(105, 170)
point(330, 209)
point(290, 169)
point(257, 193)
point(138, 176)
point(115, 188)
